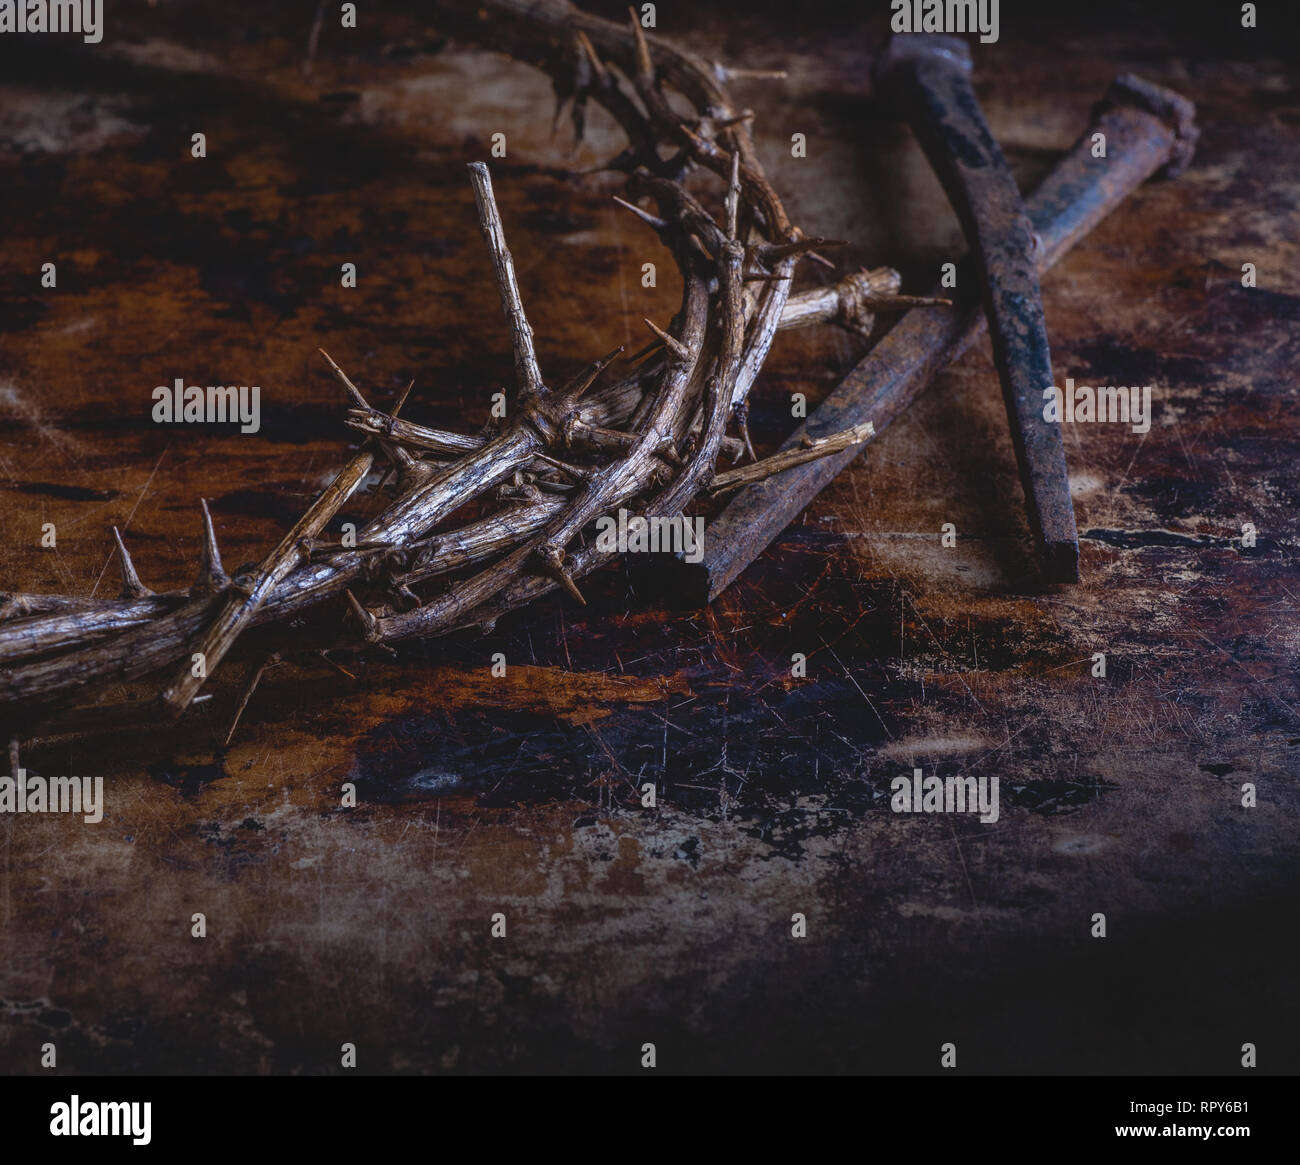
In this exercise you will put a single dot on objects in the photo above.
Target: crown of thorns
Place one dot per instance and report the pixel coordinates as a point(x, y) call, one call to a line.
point(534, 480)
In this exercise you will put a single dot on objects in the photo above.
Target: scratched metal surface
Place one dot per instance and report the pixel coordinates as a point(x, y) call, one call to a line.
point(479, 795)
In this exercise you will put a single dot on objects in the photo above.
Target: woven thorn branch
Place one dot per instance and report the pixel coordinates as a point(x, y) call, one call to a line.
point(566, 455)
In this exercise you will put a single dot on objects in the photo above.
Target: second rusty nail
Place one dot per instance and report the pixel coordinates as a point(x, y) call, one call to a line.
point(1149, 131)
point(926, 78)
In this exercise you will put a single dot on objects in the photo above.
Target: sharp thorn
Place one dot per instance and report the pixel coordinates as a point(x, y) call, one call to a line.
point(644, 65)
point(671, 341)
point(597, 66)
point(352, 389)
point(554, 559)
point(574, 471)
point(701, 144)
point(741, 417)
point(132, 587)
point(212, 575)
point(587, 377)
point(644, 215)
point(365, 618)
point(406, 392)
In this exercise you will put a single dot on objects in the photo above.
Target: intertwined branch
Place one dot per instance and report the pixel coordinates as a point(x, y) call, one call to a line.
point(564, 456)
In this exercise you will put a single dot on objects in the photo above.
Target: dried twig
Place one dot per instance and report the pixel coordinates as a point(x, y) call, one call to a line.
point(527, 373)
point(247, 595)
point(811, 450)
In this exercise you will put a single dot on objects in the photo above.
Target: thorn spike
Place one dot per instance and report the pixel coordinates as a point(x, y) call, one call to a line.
point(644, 65)
point(587, 377)
point(700, 143)
point(741, 417)
point(644, 215)
point(597, 66)
point(699, 246)
point(365, 618)
point(212, 575)
point(670, 341)
point(553, 556)
point(132, 587)
point(353, 390)
point(405, 393)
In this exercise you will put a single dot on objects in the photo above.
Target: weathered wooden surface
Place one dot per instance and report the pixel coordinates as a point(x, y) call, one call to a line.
point(478, 794)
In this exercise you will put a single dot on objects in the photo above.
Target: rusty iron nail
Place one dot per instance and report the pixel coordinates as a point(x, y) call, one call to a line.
point(1148, 130)
point(926, 78)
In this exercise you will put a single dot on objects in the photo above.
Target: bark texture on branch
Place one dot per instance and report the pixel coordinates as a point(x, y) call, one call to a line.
point(501, 513)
